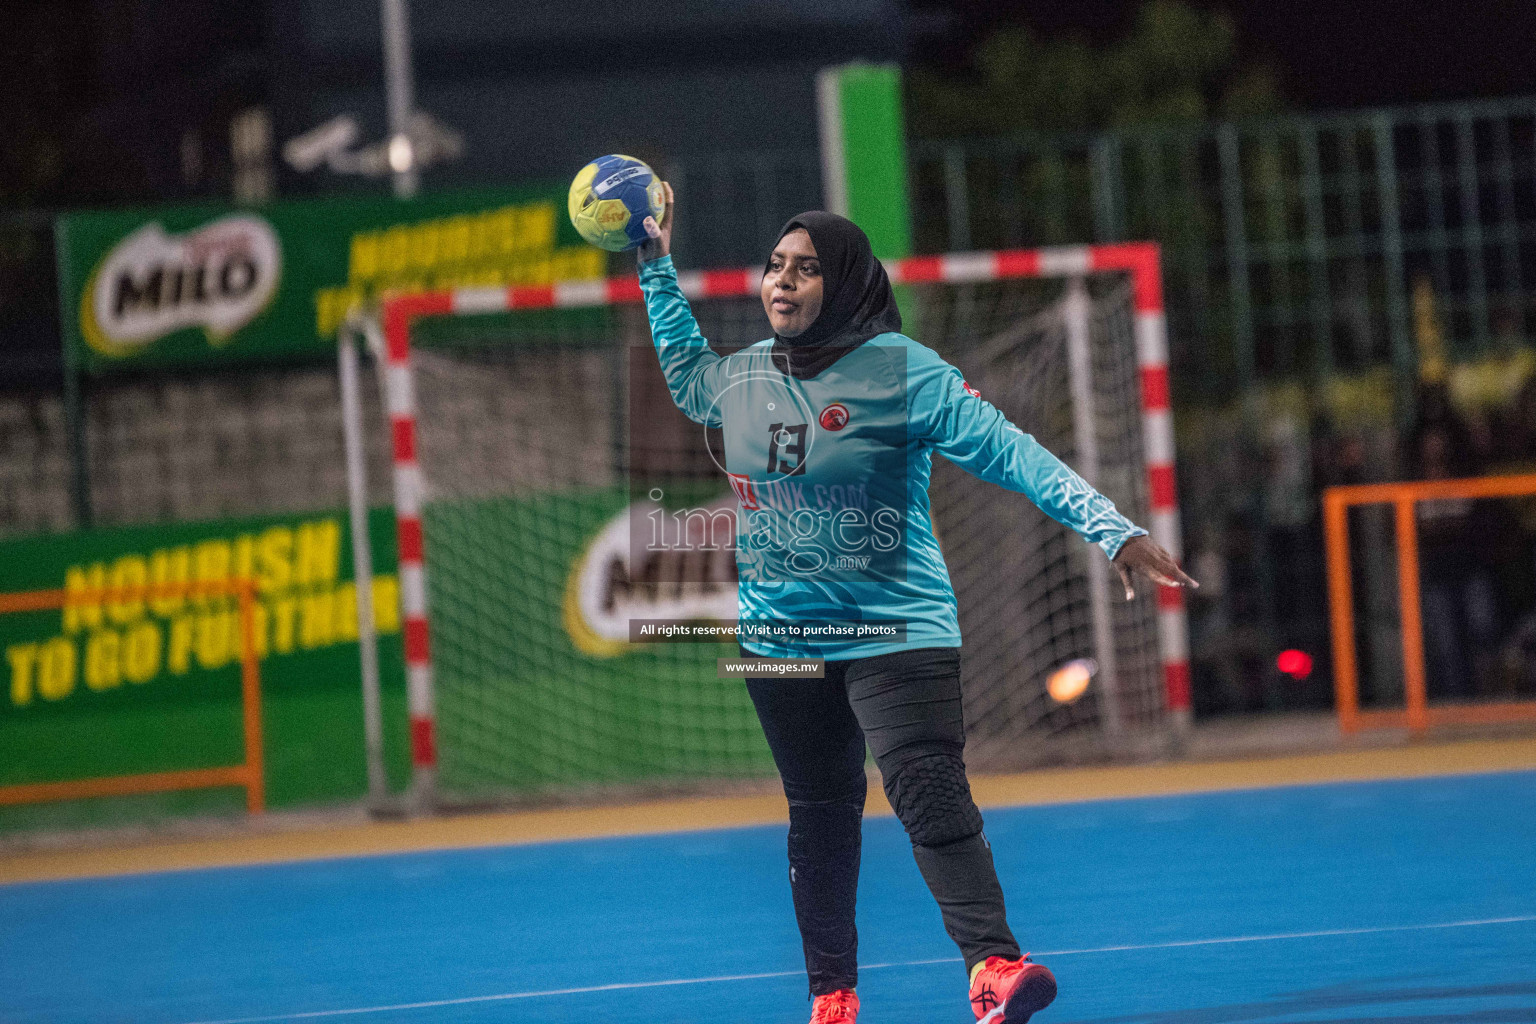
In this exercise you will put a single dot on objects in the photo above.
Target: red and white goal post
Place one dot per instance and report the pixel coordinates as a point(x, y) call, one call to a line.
point(1139, 261)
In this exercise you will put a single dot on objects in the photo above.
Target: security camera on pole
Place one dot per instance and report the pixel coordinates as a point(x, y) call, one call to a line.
point(415, 140)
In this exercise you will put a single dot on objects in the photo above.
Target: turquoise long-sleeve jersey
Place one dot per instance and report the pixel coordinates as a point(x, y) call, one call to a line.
point(831, 480)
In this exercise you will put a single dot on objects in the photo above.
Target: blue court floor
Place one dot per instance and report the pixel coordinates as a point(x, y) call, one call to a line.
point(1376, 903)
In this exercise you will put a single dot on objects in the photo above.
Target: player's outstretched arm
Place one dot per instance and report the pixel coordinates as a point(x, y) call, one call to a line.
point(692, 370)
point(977, 437)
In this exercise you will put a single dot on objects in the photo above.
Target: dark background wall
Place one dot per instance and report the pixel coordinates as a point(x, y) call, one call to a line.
point(539, 89)
point(122, 102)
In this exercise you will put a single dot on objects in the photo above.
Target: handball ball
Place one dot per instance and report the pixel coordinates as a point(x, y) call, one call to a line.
point(610, 199)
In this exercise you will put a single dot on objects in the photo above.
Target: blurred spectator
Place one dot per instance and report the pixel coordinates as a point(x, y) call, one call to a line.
point(1233, 654)
point(1456, 535)
point(1338, 458)
point(1517, 430)
point(1498, 388)
point(1438, 416)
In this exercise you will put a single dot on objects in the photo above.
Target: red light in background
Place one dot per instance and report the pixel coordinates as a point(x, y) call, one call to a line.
point(1296, 664)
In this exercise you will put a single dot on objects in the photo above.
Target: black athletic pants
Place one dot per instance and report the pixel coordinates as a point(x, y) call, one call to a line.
point(907, 706)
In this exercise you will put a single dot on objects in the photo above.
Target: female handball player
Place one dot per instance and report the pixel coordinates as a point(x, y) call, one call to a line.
point(840, 402)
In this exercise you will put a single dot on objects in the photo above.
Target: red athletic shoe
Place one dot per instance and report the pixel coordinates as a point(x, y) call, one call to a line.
point(840, 1007)
point(1010, 991)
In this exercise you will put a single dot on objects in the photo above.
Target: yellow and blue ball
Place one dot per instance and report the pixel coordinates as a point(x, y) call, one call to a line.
point(610, 199)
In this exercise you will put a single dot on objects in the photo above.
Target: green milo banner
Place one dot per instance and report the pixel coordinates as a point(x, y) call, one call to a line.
point(104, 689)
point(539, 682)
point(193, 285)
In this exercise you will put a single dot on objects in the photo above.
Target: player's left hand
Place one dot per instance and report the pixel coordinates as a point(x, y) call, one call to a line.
point(659, 243)
point(1146, 556)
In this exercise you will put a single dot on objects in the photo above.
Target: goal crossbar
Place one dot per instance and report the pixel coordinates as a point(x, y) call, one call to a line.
point(1138, 260)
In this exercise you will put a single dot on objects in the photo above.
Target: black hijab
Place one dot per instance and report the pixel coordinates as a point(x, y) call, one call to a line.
point(856, 298)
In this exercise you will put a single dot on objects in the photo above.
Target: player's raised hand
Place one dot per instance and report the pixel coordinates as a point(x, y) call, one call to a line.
point(660, 242)
point(1144, 555)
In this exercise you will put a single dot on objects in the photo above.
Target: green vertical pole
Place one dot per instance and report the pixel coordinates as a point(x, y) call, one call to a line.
point(1317, 253)
point(864, 153)
point(1237, 253)
point(1055, 170)
point(1403, 359)
point(1239, 285)
point(1358, 304)
point(1509, 224)
point(1107, 175)
point(1437, 207)
point(957, 201)
point(1472, 233)
point(74, 402)
point(1154, 203)
point(1188, 227)
point(1271, 175)
point(864, 160)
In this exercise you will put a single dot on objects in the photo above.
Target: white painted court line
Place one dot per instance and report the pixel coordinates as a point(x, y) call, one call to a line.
point(630, 985)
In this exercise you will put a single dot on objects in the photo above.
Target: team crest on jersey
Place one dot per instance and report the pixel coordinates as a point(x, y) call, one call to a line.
point(834, 416)
point(969, 389)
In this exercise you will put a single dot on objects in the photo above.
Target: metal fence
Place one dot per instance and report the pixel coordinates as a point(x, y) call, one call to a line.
point(1316, 266)
point(1291, 246)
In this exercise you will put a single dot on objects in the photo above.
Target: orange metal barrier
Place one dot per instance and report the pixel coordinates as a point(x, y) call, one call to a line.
point(1417, 715)
point(248, 774)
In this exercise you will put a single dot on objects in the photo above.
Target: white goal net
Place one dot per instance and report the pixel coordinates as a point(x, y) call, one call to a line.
point(531, 476)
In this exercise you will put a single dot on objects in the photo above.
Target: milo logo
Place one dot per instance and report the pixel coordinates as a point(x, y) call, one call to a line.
point(151, 284)
point(647, 563)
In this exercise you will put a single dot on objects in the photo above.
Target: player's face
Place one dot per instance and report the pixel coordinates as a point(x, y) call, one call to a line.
point(792, 285)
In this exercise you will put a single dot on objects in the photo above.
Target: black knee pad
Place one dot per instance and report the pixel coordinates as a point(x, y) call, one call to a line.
point(933, 800)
